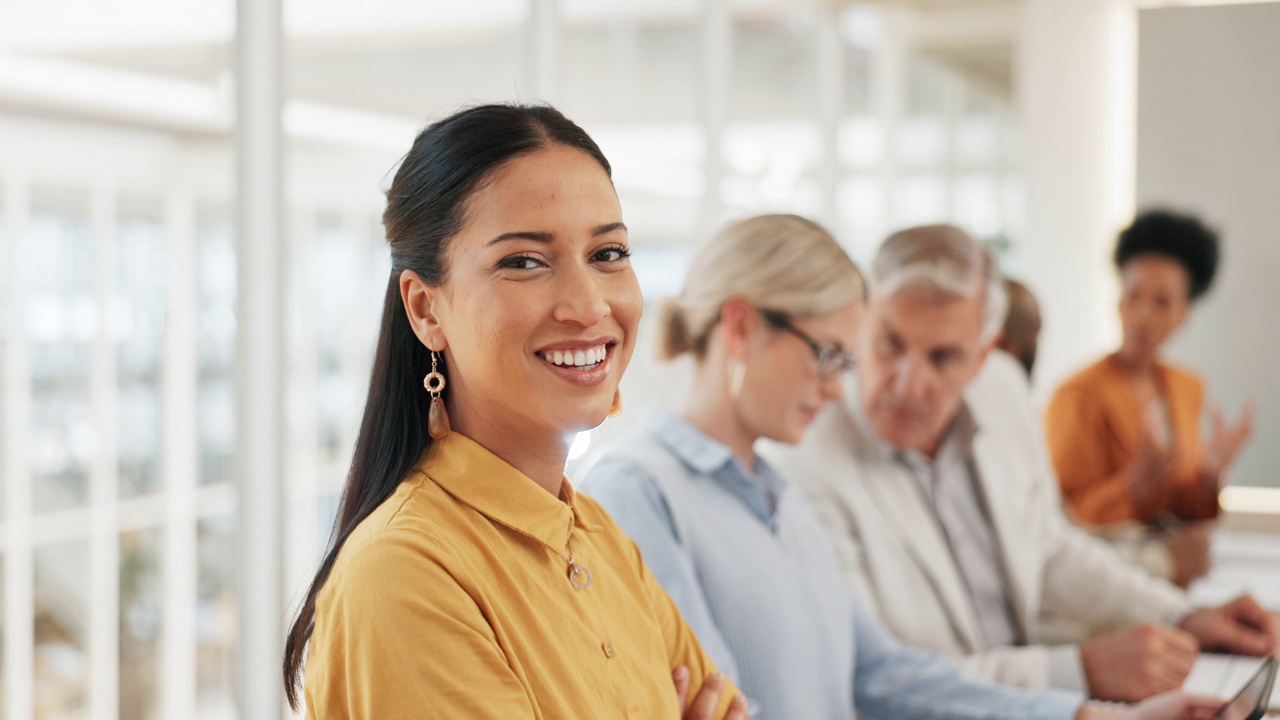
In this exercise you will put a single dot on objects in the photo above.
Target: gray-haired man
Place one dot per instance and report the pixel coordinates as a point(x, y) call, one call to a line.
point(934, 483)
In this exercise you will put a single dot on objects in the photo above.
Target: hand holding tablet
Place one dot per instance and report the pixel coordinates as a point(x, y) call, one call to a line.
point(1251, 702)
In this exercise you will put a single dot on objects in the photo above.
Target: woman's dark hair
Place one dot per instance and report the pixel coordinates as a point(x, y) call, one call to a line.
point(1181, 238)
point(426, 206)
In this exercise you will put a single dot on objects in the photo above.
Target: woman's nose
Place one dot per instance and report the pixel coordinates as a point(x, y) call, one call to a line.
point(582, 299)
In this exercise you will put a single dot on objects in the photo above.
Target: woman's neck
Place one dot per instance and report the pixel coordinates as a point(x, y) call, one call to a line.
point(711, 410)
point(540, 457)
point(1134, 362)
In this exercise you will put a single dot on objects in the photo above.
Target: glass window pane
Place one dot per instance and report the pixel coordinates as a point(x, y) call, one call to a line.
point(215, 618)
point(774, 67)
point(138, 328)
point(141, 613)
point(61, 617)
point(4, 319)
point(978, 204)
point(4, 624)
point(62, 320)
point(216, 293)
point(335, 296)
point(626, 73)
point(629, 84)
point(919, 200)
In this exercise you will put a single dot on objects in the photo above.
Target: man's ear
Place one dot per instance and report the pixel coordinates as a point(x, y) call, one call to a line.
point(421, 301)
point(984, 351)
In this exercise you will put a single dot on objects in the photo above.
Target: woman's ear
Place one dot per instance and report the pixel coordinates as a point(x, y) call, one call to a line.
point(738, 320)
point(422, 303)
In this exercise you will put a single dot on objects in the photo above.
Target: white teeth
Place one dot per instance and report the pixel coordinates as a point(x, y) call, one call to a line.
point(576, 358)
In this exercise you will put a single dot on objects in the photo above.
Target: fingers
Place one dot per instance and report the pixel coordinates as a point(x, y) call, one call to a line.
point(1244, 426)
point(1137, 662)
point(1254, 628)
point(681, 678)
point(1200, 707)
point(1181, 650)
point(705, 702)
point(1240, 626)
point(1176, 705)
point(738, 709)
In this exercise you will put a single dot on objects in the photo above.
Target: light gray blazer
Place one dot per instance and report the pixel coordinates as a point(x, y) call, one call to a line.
point(889, 546)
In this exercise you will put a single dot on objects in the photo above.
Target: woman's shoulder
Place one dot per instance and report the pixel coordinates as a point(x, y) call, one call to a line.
point(1180, 377)
point(410, 528)
point(1100, 372)
point(625, 460)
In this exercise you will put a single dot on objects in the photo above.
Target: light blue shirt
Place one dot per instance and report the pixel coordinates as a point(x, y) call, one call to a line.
point(748, 564)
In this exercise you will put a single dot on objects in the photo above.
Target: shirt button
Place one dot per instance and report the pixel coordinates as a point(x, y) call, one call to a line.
point(607, 648)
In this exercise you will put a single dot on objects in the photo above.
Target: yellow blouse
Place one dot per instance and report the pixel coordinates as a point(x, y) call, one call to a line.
point(453, 600)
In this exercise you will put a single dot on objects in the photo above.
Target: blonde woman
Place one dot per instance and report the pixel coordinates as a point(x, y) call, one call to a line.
point(769, 310)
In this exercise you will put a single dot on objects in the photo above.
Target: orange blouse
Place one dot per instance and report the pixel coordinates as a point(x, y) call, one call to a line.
point(1094, 426)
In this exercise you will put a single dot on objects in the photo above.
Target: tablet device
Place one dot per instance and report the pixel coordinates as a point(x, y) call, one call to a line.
point(1251, 702)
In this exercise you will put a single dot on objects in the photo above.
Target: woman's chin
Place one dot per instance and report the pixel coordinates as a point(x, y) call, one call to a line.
point(587, 417)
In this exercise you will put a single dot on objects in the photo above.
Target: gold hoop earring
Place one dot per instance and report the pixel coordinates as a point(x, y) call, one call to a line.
point(737, 374)
point(617, 404)
point(437, 416)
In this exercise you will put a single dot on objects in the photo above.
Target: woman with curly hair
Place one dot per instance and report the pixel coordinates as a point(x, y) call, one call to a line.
point(1125, 431)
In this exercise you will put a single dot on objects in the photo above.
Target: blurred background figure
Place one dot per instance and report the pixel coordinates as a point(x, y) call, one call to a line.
point(1022, 325)
point(1124, 432)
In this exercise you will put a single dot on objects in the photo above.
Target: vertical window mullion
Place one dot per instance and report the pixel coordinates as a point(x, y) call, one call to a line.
point(104, 541)
point(303, 410)
point(180, 464)
point(19, 586)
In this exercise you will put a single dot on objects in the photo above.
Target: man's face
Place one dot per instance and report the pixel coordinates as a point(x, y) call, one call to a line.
point(918, 352)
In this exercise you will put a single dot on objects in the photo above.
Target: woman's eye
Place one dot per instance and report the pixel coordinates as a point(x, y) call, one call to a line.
point(520, 262)
point(612, 254)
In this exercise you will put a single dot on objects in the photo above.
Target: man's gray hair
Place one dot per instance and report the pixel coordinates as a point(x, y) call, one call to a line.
point(942, 259)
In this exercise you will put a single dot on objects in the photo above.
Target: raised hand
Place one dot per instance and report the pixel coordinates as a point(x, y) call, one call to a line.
point(1225, 442)
point(1150, 470)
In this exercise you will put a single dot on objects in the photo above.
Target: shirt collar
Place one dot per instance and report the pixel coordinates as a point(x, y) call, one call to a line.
point(478, 478)
point(689, 444)
point(957, 442)
point(761, 488)
point(960, 432)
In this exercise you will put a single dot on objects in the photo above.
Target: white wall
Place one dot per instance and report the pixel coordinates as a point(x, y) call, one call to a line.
point(1209, 142)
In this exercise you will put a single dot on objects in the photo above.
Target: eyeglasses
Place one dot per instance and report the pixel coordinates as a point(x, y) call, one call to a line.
point(832, 360)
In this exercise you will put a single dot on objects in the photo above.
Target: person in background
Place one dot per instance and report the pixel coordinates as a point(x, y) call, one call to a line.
point(770, 310)
point(1021, 331)
point(467, 578)
point(1124, 432)
point(934, 484)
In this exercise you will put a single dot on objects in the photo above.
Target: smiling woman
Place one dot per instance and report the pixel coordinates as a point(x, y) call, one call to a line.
point(466, 577)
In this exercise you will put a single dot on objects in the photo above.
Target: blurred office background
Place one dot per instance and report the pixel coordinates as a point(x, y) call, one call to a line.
point(162, 509)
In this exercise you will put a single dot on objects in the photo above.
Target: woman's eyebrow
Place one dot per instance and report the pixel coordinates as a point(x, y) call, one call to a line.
point(543, 237)
point(546, 237)
point(608, 228)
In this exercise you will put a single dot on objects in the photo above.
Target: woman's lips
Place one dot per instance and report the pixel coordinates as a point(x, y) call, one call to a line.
point(581, 366)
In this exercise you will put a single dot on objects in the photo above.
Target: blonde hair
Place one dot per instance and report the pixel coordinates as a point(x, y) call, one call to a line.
point(946, 260)
point(778, 262)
